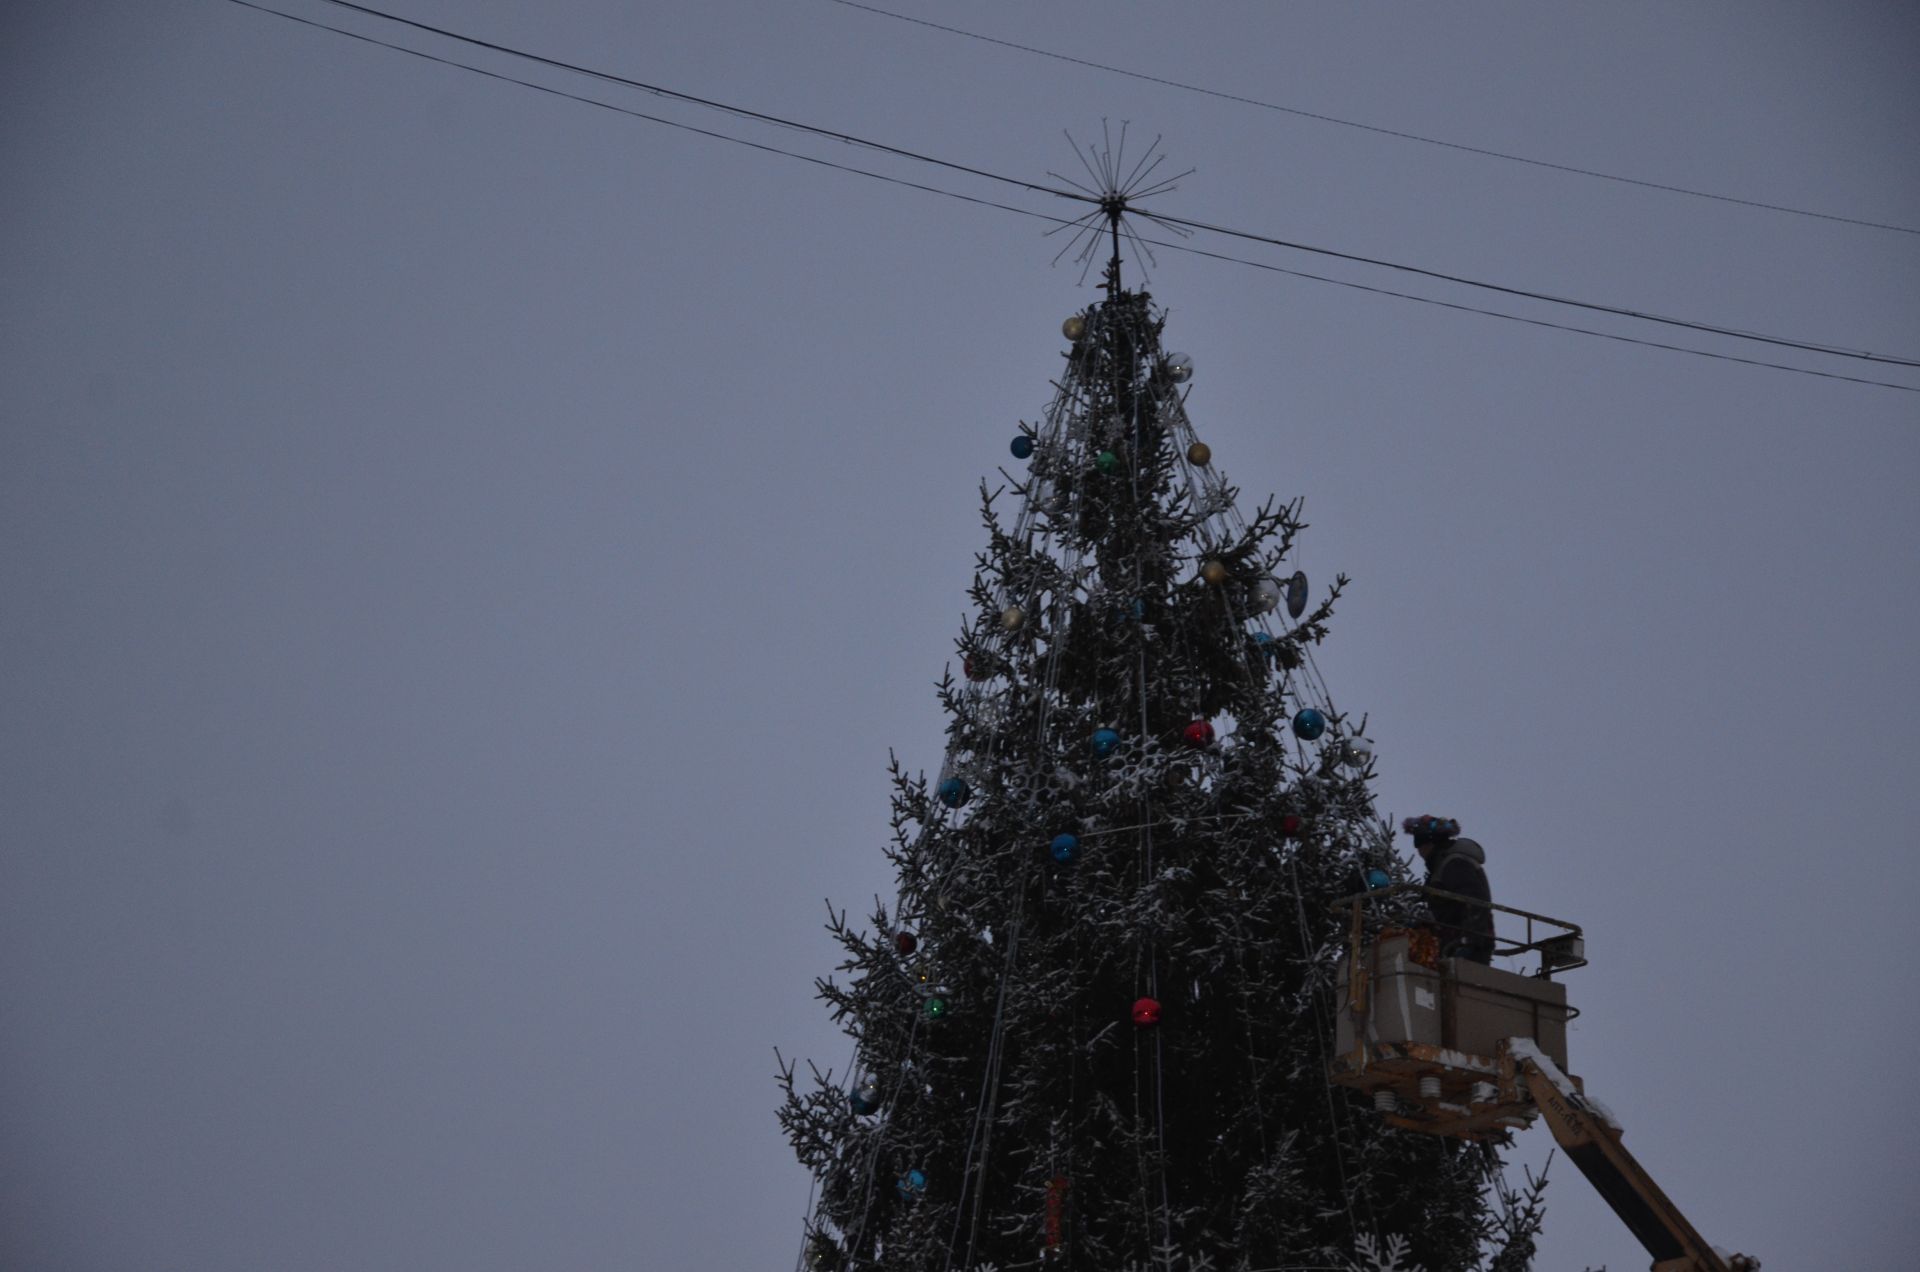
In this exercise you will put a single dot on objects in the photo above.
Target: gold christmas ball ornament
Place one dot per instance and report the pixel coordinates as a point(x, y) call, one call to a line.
point(1214, 572)
point(1199, 454)
point(1013, 618)
point(1074, 327)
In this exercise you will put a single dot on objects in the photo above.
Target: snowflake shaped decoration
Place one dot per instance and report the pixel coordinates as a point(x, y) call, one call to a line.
point(1384, 1256)
point(1167, 1259)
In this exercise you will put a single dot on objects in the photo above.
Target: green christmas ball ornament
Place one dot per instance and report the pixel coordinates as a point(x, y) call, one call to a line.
point(935, 1007)
point(1106, 461)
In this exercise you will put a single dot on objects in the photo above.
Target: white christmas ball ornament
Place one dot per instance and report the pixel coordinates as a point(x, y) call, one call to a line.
point(1266, 596)
point(1179, 368)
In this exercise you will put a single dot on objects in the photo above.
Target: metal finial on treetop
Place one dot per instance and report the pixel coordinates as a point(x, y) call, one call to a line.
point(1113, 191)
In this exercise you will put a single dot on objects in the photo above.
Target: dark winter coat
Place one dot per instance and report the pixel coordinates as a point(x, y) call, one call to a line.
point(1466, 931)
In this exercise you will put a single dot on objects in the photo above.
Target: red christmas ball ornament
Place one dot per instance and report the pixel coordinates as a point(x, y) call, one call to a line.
point(976, 669)
point(1146, 1012)
point(1290, 825)
point(1199, 734)
point(905, 941)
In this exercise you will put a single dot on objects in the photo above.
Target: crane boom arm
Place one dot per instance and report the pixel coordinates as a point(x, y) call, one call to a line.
point(1594, 1144)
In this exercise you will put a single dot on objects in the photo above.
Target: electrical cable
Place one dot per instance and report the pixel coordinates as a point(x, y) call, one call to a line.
point(920, 157)
point(1531, 322)
point(1387, 132)
point(1059, 221)
point(1594, 306)
point(674, 123)
point(710, 104)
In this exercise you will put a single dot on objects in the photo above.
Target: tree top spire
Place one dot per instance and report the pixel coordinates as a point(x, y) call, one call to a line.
point(1114, 188)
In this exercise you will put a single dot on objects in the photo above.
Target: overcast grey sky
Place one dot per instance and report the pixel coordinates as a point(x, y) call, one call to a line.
point(465, 556)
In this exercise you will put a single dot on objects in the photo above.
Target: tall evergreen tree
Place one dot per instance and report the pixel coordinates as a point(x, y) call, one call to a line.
point(1092, 1030)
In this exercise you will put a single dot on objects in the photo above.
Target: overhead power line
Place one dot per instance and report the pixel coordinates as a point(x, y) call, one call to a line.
point(1783, 342)
point(660, 91)
point(1531, 322)
point(1376, 128)
point(638, 114)
point(1003, 207)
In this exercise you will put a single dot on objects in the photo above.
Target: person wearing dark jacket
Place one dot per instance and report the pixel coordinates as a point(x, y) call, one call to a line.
point(1459, 866)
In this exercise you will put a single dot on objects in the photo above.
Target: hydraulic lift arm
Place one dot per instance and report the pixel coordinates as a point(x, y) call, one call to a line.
point(1593, 1142)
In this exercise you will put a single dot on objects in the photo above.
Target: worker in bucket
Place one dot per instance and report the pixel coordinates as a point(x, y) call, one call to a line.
point(1459, 866)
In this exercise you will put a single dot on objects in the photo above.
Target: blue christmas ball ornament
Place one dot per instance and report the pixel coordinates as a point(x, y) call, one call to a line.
point(1065, 848)
point(912, 1184)
point(1104, 741)
point(1022, 446)
point(954, 792)
point(1297, 594)
point(1309, 724)
point(1377, 878)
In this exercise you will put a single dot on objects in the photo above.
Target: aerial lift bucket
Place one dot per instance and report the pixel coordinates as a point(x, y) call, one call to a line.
point(1451, 1047)
point(1422, 1033)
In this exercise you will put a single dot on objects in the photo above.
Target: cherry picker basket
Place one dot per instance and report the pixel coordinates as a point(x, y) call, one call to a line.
point(1423, 1034)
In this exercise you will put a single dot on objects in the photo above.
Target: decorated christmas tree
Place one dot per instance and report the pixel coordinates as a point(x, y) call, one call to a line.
point(1093, 1027)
